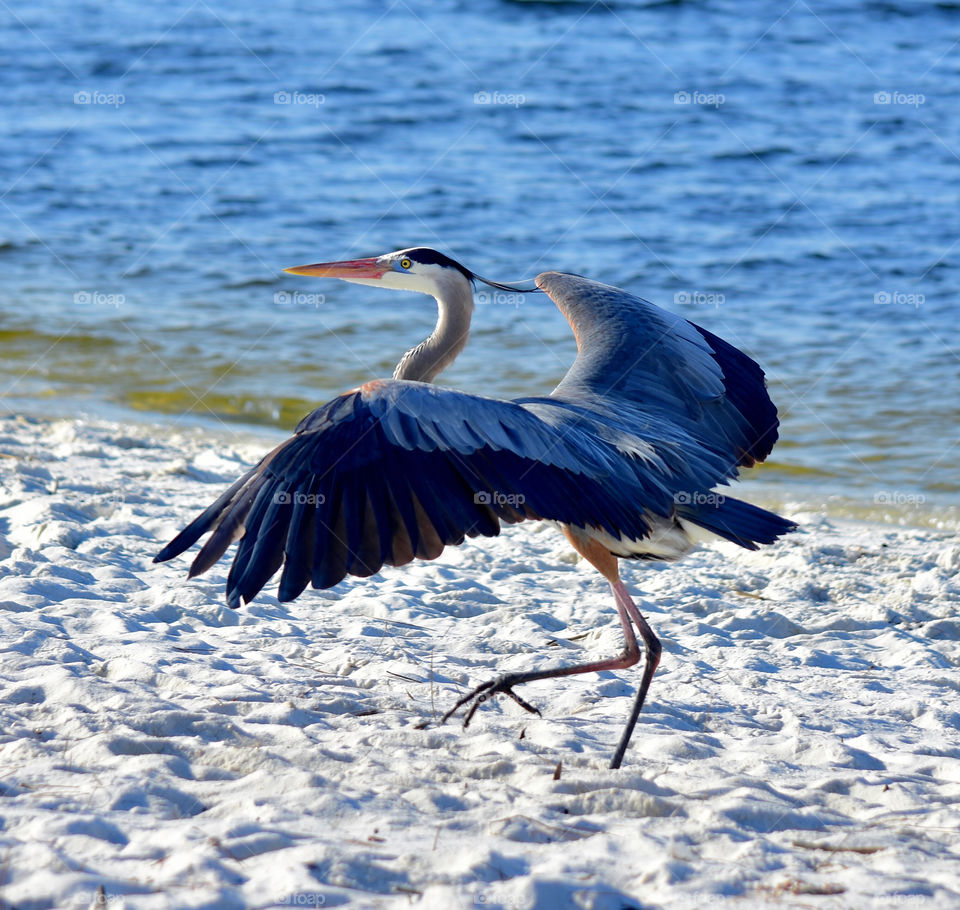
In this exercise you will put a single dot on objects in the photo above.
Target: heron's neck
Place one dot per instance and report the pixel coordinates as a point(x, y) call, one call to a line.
point(436, 352)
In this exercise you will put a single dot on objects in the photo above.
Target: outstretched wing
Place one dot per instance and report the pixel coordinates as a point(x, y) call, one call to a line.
point(396, 470)
point(635, 356)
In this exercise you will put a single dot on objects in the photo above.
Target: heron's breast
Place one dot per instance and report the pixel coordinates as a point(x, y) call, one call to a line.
point(669, 539)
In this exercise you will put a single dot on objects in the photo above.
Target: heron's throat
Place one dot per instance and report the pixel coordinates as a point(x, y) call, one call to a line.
point(436, 352)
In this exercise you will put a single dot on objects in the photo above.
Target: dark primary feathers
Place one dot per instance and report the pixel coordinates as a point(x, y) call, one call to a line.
point(654, 413)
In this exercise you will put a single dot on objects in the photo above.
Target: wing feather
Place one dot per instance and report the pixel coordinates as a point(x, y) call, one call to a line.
point(634, 354)
point(298, 548)
point(330, 547)
point(400, 470)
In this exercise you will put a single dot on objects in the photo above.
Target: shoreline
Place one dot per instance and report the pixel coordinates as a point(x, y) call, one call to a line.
point(895, 508)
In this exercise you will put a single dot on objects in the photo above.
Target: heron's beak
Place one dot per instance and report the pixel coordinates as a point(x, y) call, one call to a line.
point(349, 269)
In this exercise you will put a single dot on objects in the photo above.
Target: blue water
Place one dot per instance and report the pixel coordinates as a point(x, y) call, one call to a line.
point(786, 175)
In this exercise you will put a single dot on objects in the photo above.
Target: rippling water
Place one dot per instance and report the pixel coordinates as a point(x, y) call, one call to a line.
point(785, 175)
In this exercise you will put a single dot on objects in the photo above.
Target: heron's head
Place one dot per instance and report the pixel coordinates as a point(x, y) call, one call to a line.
point(417, 269)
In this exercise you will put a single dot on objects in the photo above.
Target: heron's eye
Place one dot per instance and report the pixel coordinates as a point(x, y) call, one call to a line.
point(405, 263)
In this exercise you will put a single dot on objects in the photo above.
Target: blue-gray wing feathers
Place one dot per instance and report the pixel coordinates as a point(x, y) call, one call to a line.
point(654, 407)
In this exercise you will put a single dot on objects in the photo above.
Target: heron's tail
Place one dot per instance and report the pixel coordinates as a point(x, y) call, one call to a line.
point(736, 520)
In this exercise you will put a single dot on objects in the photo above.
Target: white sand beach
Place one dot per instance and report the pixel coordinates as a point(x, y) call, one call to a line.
point(799, 748)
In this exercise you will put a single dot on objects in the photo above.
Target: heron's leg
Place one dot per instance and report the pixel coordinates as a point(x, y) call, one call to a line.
point(652, 646)
point(504, 684)
point(605, 563)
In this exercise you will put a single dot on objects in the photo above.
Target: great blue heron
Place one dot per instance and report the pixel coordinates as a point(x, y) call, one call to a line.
point(623, 455)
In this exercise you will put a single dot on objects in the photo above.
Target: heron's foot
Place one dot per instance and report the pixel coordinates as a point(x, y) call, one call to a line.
point(503, 684)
